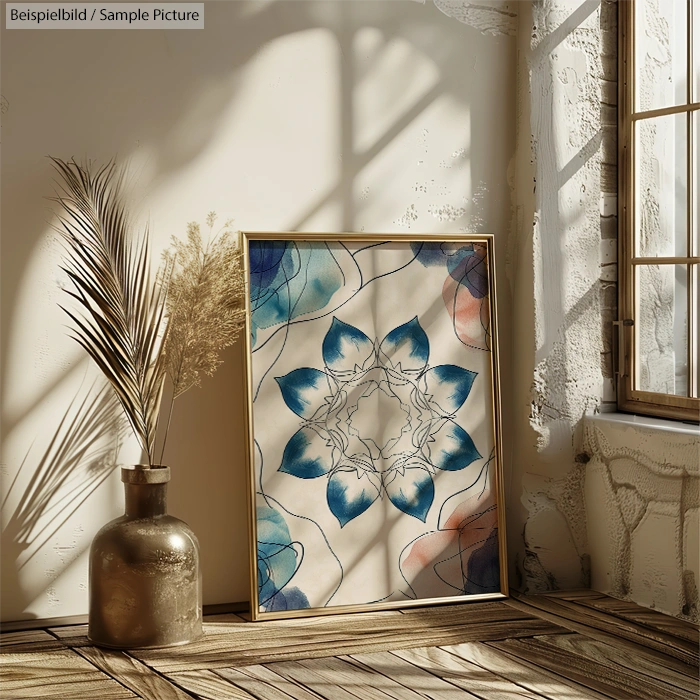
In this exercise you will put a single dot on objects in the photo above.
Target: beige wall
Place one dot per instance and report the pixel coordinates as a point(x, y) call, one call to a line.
point(358, 116)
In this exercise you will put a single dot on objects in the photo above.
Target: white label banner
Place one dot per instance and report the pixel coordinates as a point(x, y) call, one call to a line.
point(122, 15)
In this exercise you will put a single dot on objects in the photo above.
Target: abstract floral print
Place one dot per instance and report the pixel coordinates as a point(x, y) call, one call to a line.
point(372, 421)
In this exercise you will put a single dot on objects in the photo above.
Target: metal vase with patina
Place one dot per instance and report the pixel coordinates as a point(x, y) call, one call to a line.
point(145, 581)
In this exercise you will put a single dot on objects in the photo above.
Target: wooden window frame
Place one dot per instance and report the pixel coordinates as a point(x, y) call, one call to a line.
point(629, 398)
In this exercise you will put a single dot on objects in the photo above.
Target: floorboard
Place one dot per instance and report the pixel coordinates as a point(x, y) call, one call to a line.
point(524, 673)
point(266, 684)
point(292, 640)
point(424, 682)
point(652, 635)
point(60, 674)
point(647, 618)
point(146, 683)
point(608, 631)
point(207, 685)
point(611, 680)
point(29, 637)
point(648, 672)
point(467, 675)
point(562, 645)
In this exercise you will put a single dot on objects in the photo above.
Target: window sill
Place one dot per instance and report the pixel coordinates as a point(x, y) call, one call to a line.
point(640, 496)
point(637, 421)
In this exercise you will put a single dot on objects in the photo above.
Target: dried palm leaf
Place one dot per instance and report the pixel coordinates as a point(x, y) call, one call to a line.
point(123, 309)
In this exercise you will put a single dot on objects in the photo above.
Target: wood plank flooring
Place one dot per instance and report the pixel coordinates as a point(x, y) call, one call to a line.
point(566, 645)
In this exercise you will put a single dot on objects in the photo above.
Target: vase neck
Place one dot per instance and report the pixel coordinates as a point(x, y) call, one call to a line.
point(145, 500)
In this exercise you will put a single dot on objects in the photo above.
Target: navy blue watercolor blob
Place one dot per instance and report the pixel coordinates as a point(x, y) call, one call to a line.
point(468, 267)
point(482, 567)
point(265, 259)
point(289, 599)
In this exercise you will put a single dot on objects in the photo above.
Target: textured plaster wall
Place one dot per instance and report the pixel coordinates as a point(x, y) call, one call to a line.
point(595, 501)
point(562, 266)
point(318, 116)
point(642, 504)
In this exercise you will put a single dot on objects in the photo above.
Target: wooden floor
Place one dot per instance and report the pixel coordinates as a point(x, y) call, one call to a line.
point(575, 645)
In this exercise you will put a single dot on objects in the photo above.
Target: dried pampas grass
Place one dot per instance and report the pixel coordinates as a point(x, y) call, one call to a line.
point(205, 303)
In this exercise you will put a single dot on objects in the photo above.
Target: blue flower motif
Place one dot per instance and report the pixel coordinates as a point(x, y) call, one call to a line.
point(377, 420)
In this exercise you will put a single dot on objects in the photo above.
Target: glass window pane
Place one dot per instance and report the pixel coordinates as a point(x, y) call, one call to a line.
point(660, 53)
point(696, 182)
point(695, 336)
point(696, 50)
point(662, 329)
point(661, 186)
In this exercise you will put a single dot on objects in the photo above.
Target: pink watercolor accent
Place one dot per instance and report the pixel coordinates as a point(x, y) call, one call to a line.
point(427, 550)
point(448, 549)
point(469, 315)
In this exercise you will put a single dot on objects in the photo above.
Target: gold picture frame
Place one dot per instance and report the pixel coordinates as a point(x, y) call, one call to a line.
point(373, 418)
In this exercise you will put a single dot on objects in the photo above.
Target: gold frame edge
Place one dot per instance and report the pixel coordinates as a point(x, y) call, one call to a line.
point(488, 238)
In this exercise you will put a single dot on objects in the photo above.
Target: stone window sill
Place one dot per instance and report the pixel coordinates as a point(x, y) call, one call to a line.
point(642, 510)
point(635, 421)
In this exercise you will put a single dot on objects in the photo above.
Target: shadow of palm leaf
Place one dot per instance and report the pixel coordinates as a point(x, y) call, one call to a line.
point(80, 455)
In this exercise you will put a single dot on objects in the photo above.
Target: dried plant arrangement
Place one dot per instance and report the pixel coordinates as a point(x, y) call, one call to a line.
point(205, 304)
point(137, 327)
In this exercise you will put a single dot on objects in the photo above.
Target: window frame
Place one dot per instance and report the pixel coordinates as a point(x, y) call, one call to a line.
point(629, 398)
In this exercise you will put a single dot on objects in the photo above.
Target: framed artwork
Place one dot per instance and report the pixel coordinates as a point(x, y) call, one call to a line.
point(373, 417)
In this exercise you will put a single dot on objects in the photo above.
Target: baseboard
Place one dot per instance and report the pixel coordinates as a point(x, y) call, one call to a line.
point(43, 623)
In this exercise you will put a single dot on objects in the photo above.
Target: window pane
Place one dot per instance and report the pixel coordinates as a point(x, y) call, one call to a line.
point(696, 50)
point(660, 186)
point(662, 329)
point(660, 53)
point(696, 180)
point(695, 337)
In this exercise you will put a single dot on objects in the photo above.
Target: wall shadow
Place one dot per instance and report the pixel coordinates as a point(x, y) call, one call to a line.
point(44, 494)
point(561, 327)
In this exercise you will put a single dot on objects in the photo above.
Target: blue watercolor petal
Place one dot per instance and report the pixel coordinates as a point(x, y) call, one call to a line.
point(289, 279)
point(277, 557)
point(321, 276)
point(430, 254)
point(350, 493)
point(272, 266)
point(448, 386)
point(289, 599)
point(304, 390)
point(411, 491)
point(277, 564)
point(265, 258)
point(307, 454)
point(346, 347)
point(452, 448)
point(407, 345)
point(469, 268)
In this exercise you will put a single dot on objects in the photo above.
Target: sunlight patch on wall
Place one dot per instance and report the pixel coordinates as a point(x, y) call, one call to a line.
point(276, 156)
point(495, 17)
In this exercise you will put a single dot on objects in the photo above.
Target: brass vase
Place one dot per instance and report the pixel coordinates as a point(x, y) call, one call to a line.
point(145, 582)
